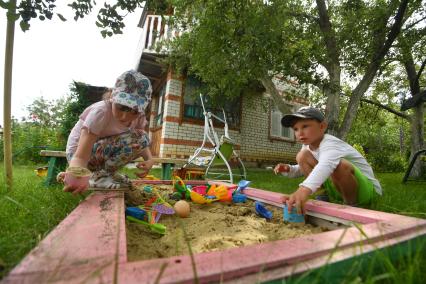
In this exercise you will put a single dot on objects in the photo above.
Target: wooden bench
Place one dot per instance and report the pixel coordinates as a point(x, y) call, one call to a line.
point(167, 165)
point(58, 162)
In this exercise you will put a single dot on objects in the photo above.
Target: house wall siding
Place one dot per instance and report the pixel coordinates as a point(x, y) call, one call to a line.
point(257, 145)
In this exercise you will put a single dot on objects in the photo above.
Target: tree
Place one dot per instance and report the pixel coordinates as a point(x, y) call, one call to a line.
point(231, 43)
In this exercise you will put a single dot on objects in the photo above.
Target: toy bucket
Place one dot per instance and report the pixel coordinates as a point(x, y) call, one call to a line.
point(200, 189)
point(293, 216)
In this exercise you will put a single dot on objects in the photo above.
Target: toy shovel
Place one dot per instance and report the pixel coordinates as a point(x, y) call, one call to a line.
point(156, 228)
point(242, 184)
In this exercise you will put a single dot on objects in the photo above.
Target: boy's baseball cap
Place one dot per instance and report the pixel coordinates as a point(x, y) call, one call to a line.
point(132, 89)
point(289, 120)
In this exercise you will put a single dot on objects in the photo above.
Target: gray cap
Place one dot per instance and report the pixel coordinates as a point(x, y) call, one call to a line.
point(308, 112)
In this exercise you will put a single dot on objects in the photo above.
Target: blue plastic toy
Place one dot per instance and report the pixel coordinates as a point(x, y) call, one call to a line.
point(262, 211)
point(239, 198)
point(135, 212)
point(242, 184)
point(293, 216)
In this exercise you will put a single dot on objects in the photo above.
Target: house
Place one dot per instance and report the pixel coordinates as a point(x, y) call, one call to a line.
point(176, 119)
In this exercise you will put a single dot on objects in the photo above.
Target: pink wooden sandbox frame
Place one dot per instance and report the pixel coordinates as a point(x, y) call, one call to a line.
point(89, 246)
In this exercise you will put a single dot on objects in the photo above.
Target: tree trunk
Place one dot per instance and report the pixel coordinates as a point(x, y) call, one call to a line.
point(7, 133)
point(332, 64)
point(276, 97)
point(417, 140)
point(371, 71)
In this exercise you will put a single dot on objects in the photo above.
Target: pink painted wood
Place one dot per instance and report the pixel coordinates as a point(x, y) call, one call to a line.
point(90, 246)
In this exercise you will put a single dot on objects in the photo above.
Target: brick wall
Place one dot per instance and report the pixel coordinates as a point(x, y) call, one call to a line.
point(256, 145)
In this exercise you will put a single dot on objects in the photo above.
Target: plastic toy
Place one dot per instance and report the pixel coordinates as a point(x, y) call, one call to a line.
point(239, 198)
point(293, 216)
point(156, 228)
point(200, 199)
point(162, 209)
point(180, 187)
point(200, 189)
point(242, 184)
point(221, 193)
point(262, 211)
point(135, 212)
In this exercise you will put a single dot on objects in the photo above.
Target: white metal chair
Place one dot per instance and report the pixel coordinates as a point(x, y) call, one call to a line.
point(220, 154)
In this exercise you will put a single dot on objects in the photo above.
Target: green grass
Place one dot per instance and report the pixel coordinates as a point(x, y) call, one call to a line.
point(30, 211)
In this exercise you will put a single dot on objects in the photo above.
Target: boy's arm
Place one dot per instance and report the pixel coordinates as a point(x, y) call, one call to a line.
point(298, 198)
point(291, 171)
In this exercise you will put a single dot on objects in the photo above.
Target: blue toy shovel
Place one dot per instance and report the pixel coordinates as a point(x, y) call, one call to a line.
point(242, 184)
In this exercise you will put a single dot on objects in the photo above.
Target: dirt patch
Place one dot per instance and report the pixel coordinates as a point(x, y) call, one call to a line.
point(210, 227)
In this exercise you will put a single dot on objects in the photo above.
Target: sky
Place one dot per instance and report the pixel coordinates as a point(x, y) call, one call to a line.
point(52, 54)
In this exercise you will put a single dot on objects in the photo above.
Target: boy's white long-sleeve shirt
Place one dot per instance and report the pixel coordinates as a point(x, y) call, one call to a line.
point(329, 154)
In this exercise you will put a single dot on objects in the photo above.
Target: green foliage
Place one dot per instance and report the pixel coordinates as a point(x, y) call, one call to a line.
point(383, 137)
point(77, 102)
point(232, 43)
point(40, 130)
point(47, 126)
point(110, 17)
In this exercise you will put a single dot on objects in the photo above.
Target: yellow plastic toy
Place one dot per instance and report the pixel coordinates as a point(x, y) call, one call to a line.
point(41, 172)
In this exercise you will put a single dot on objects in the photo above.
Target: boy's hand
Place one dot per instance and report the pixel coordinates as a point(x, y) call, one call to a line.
point(281, 168)
point(145, 166)
point(298, 199)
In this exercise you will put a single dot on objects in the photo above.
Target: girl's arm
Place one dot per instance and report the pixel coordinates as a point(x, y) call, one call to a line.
point(84, 149)
point(147, 164)
point(80, 159)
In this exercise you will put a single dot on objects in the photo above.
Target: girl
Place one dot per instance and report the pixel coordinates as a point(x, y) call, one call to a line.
point(110, 134)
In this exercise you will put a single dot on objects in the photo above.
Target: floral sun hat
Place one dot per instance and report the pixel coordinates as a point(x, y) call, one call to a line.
point(132, 89)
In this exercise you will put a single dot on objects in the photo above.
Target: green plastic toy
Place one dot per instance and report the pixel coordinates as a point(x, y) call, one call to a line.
point(156, 228)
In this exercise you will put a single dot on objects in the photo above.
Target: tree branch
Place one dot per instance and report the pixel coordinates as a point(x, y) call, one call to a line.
point(422, 67)
point(389, 109)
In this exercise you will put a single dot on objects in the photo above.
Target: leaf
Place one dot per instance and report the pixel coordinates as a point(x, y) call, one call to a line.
point(25, 26)
point(63, 19)
point(5, 5)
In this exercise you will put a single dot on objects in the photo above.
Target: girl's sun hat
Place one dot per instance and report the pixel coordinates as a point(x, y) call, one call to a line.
point(132, 89)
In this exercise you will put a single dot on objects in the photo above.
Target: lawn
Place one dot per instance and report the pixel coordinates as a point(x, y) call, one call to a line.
point(31, 211)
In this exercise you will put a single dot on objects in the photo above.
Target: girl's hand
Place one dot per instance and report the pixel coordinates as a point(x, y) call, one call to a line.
point(281, 168)
point(145, 166)
point(76, 183)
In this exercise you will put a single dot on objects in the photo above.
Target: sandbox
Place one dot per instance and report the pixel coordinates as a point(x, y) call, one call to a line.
point(90, 246)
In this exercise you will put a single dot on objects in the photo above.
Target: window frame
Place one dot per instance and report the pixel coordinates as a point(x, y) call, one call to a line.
point(290, 137)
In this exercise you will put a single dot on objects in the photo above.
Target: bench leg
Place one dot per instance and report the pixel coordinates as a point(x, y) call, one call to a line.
point(166, 171)
point(56, 164)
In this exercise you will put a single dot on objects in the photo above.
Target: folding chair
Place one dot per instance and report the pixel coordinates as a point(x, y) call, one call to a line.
point(221, 153)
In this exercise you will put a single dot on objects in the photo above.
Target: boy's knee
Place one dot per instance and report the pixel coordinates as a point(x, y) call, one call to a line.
point(343, 171)
point(304, 156)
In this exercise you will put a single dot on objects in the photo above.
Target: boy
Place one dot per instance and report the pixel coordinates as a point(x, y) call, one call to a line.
point(326, 161)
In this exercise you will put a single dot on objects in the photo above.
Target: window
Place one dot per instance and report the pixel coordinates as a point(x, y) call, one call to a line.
point(277, 130)
point(158, 120)
point(194, 110)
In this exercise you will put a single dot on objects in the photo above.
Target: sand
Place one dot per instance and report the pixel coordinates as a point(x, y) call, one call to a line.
point(212, 227)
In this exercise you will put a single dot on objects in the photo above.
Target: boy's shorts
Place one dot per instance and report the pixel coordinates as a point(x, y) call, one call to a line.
point(366, 191)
